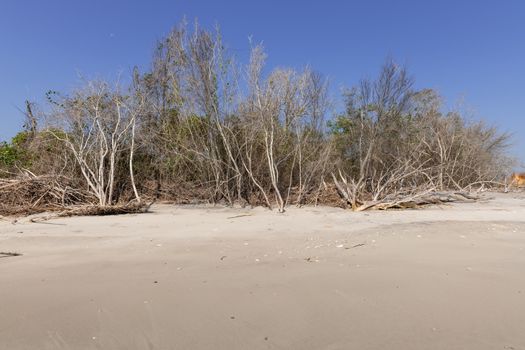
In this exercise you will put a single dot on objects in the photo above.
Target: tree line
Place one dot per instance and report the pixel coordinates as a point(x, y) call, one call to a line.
point(198, 126)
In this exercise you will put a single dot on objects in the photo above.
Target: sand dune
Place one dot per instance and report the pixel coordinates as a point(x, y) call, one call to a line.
point(450, 277)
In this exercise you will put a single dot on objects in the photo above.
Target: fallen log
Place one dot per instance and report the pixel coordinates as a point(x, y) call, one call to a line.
point(418, 200)
point(97, 210)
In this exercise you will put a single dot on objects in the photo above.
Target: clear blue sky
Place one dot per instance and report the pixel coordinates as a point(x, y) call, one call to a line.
point(468, 50)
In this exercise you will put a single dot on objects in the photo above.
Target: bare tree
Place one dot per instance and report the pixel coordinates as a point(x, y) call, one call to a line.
point(96, 124)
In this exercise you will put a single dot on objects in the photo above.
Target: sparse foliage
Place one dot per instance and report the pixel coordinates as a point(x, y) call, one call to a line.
point(197, 126)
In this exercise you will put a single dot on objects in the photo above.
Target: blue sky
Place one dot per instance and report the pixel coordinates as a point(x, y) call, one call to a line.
point(471, 51)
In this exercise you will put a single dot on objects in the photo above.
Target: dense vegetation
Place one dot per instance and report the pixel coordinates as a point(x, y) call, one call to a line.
point(199, 127)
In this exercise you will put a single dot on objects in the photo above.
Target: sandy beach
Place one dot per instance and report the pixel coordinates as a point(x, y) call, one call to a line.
point(443, 277)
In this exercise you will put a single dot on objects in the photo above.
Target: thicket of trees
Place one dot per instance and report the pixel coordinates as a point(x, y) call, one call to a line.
point(198, 126)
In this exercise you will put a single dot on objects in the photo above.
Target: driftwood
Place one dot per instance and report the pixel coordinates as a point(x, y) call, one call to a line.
point(97, 210)
point(418, 200)
point(30, 194)
point(238, 216)
point(9, 254)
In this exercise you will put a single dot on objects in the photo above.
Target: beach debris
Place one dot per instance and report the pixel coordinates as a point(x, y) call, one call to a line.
point(9, 254)
point(356, 245)
point(239, 216)
point(43, 219)
point(223, 257)
point(28, 194)
point(94, 210)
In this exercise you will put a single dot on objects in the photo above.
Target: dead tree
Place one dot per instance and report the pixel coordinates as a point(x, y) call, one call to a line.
point(96, 124)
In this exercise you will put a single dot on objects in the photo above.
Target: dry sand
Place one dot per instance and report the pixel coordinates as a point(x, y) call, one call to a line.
point(449, 277)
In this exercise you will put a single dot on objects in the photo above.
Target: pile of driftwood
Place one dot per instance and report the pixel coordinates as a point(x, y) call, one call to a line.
point(29, 194)
point(97, 210)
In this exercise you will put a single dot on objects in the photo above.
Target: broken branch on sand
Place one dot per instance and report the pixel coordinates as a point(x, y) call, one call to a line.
point(238, 216)
point(9, 254)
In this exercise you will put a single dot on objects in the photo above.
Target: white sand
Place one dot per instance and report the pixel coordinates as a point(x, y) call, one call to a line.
point(450, 277)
